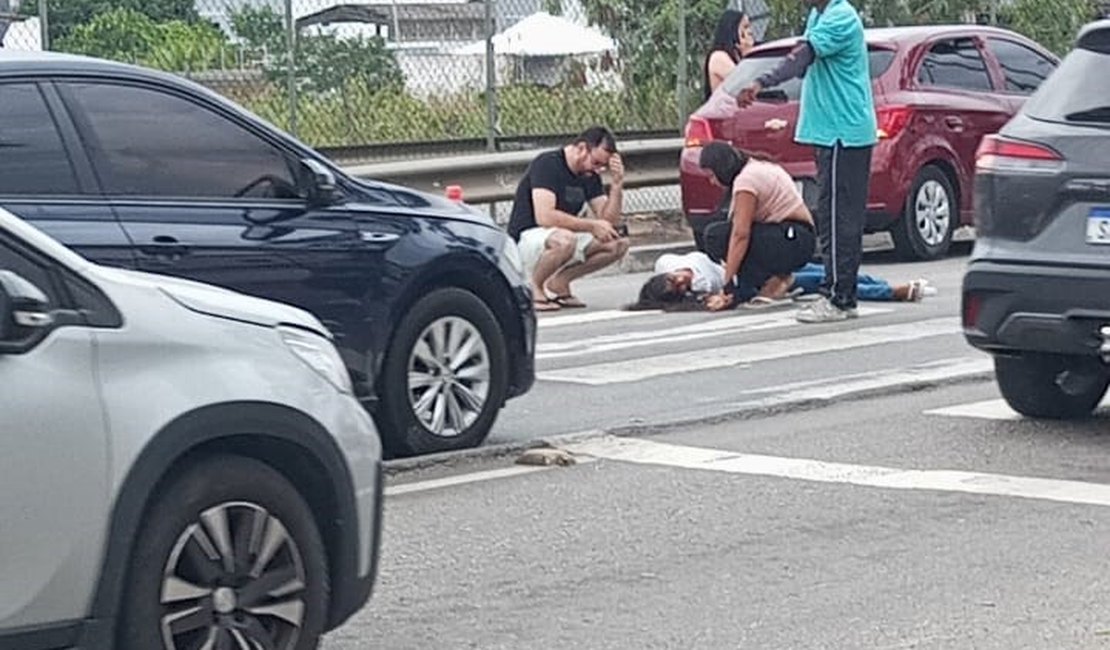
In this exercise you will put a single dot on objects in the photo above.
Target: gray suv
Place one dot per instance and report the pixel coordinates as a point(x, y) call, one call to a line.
point(1037, 291)
point(181, 466)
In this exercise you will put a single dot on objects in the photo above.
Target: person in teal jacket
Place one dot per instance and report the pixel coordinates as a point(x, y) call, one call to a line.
point(837, 118)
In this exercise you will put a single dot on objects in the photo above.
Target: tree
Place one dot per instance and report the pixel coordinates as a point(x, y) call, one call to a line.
point(324, 62)
point(67, 15)
point(1052, 23)
point(130, 36)
point(646, 31)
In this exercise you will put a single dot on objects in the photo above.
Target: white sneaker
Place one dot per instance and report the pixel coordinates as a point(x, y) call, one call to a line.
point(823, 311)
point(921, 288)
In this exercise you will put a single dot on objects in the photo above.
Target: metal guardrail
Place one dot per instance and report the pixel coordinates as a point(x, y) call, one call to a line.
point(493, 177)
point(387, 151)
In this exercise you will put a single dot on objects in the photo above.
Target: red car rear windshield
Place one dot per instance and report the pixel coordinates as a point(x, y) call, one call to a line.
point(751, 67)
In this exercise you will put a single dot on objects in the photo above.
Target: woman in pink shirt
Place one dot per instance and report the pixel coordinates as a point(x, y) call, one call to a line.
point(769, 234)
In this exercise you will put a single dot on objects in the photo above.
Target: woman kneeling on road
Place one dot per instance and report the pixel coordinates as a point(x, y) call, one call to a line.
point(770, 231)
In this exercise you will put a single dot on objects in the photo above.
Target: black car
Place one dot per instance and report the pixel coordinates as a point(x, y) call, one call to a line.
point(139, 169)
point(1037, 291)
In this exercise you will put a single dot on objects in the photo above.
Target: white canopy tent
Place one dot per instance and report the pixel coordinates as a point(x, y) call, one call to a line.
point(542, 34)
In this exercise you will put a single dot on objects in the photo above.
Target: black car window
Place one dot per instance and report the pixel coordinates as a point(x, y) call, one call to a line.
point(955, 63)
point(147, 142)
point(35, 271)
point(32, 157)
point(1023, 68)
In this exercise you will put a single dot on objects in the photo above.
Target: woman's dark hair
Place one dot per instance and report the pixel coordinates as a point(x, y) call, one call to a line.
point(726, 38)
point(724, 161)
point(656, 294)
point(727, 35)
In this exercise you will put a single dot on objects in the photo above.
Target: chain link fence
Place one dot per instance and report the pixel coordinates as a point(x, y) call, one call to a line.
point(374, 79)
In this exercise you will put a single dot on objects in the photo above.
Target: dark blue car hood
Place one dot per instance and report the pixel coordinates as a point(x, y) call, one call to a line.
point(406, 200)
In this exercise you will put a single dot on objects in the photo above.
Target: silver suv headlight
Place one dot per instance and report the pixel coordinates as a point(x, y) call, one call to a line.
point(319, 354)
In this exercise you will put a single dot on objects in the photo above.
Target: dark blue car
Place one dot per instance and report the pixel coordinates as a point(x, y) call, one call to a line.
point(143, 170)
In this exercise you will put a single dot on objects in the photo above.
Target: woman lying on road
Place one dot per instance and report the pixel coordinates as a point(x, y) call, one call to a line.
point(682, 282)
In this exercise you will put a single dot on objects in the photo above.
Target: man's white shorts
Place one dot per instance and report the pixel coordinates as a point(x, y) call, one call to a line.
point(534, 240)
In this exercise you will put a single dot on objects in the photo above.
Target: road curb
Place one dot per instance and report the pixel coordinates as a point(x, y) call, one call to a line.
point(744, 411)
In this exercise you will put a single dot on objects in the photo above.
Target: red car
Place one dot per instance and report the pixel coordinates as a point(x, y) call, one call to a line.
point(938, 90)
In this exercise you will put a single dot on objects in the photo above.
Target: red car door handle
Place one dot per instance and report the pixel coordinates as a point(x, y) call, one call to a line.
point(954, 123)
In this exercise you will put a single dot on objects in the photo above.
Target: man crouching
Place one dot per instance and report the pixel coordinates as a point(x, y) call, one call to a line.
point(557, 245)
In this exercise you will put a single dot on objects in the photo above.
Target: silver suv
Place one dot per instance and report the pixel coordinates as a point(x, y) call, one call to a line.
point(180, 466)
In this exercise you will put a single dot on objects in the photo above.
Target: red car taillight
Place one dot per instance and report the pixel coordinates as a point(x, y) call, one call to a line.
point(698, 132)
point(972, 304)
point(997, 153)
point(893, 120)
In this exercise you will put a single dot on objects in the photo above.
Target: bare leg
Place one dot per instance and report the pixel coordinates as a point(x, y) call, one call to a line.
point(598, 256)
point(777, 286)
point(558, 249)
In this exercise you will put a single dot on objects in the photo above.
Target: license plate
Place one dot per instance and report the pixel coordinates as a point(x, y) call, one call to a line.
point(1098, 226)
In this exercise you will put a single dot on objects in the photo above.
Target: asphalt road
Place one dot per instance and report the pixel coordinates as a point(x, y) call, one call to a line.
point(929, 519)
point(606, 368)
point(748, 482)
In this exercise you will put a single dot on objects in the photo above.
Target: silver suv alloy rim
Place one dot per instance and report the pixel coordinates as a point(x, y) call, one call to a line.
point(449, 376)
point(234, 580)
point(932, 212)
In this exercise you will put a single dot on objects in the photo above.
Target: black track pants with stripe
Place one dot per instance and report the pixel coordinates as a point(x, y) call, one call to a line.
point(843, 176)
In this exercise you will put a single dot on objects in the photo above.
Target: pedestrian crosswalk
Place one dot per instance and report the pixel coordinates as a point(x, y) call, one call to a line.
point(994, 409)
point(880, 353)
point(653, 336)
point(794, 342)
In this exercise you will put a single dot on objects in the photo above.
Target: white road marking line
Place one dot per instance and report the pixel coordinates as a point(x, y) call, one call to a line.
point(646, 452)
point(590, 317)
point(806, 343)
point(992, 409)
point(940, 364)
point(461, 479)
point(839, 386)
point(742, 322)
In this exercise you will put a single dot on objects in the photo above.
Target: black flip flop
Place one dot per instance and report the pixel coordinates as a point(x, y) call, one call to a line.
point(568, 302)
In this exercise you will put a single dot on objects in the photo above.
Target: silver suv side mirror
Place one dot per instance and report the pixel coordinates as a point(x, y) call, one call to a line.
point(24, 309)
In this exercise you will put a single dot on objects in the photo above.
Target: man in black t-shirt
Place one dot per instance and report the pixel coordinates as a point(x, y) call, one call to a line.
point(556, 244)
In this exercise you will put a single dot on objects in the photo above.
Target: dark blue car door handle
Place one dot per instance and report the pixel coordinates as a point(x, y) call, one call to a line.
point(372, 237)
point(165, 247)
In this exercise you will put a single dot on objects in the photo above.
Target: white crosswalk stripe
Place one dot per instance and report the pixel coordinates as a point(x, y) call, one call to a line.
point(547, 322)
point(754, 322)
point(800, 343)
point(993, 409)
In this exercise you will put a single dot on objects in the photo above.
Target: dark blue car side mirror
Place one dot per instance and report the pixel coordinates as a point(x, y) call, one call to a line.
point(320, 186)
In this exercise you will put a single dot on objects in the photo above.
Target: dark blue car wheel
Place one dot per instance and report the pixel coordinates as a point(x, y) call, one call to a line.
point(445, 375)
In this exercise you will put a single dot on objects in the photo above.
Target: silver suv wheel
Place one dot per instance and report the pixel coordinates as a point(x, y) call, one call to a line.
point(234, 579)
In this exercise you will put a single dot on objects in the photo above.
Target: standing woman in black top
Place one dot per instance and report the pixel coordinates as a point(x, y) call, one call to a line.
point(732, 41)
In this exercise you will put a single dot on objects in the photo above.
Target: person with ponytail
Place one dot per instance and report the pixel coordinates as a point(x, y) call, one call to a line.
point(769, 232)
